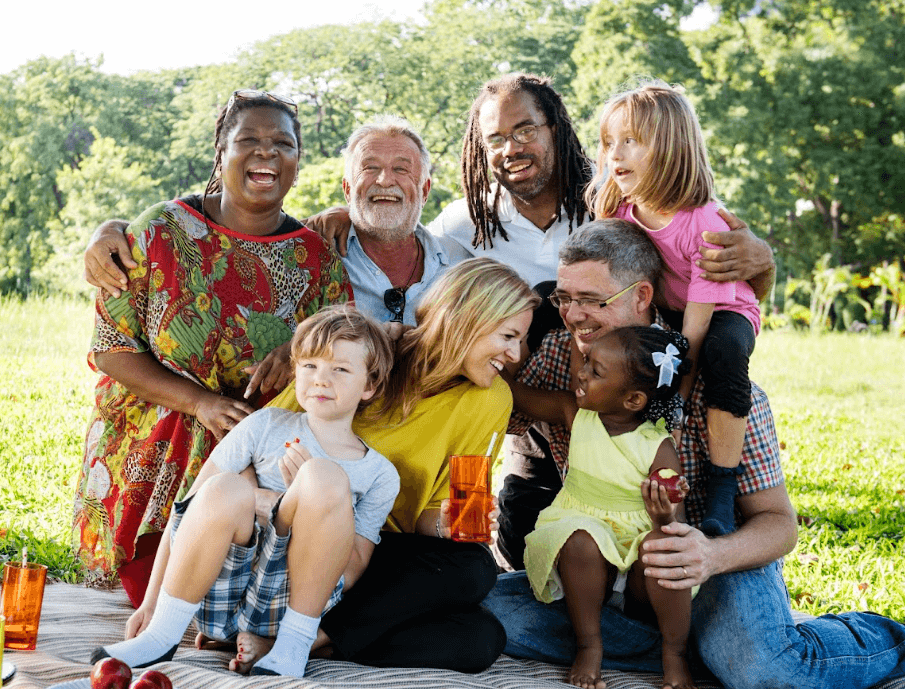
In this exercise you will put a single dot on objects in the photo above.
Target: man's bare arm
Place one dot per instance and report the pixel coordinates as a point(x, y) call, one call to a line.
point(770, 530)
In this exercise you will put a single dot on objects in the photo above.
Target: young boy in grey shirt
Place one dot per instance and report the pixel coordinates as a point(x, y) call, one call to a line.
point(231, 574)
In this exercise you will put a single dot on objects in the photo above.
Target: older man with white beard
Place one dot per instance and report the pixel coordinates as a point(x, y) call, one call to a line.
point(391, 258)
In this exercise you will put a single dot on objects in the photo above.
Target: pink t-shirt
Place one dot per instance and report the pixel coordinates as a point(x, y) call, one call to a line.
point(683, 281)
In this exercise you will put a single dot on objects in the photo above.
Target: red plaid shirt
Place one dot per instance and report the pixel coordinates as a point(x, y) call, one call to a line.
point(548, 369)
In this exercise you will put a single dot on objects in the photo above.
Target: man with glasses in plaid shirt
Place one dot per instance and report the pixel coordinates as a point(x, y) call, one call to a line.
point(741, 617)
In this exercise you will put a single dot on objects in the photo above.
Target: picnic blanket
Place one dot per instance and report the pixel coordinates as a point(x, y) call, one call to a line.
point(75, 620)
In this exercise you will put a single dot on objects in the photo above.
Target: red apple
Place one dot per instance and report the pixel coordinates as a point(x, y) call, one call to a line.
point(157, 679)
point(670, 480)
point(110, 673)
point(145, 684)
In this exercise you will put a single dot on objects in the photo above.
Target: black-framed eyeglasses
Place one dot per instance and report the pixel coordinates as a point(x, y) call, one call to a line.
point(251, 94)
point(522, 135)
point(564, 301)
point(394, 300)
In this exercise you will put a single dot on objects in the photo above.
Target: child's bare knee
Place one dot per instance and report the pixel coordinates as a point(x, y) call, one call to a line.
point(321, 481)
point(581, 546)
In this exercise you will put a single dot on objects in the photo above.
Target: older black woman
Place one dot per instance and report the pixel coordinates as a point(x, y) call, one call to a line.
point(219, 284)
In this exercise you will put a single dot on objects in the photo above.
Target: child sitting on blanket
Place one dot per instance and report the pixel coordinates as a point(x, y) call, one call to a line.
point(216, 564)
point(587, 541)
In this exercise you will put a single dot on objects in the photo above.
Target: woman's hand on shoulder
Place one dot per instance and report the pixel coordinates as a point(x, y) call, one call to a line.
point(333, 225)
point(273, 372)
point(106, 255)
point(220, 414)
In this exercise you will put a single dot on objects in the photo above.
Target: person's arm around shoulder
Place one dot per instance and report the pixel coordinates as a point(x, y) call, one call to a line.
point(333, 224)
point(107, 257)
point(743, 256)
point(551, 406)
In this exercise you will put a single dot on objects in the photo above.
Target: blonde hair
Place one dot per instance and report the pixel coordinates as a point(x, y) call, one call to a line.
point(315, 337)
point(469, 301)
point(679, 175)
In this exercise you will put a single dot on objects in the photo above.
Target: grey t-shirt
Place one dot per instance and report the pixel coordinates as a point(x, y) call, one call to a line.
point(260, 440)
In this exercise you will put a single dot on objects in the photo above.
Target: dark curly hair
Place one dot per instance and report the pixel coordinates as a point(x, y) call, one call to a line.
point(573, 167)
point(227, 120)
point(639, 344)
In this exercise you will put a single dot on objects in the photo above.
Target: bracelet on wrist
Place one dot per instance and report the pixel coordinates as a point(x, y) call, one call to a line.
point(439, 533)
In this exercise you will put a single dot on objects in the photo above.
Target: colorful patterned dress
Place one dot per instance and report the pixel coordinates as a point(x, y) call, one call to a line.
point(206, 302)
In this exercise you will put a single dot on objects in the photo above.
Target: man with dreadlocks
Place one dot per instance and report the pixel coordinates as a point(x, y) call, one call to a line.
point(518, 130)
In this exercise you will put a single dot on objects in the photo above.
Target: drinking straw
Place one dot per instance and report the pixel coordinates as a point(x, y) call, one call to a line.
point(21, 578)
point(492, 441)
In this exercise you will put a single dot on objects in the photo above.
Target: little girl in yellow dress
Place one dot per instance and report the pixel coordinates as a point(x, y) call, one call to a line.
point(588, 539)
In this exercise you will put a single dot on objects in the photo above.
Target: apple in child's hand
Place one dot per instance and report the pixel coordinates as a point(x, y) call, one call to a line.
point(152, 679)
point(110, 673)
point(670, 480)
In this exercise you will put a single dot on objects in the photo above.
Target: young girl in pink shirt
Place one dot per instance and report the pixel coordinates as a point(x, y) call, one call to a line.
point(653, 169)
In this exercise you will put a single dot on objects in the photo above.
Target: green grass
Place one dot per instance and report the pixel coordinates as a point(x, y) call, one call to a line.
point(838, 403)
point(45, 397)
point(837, 399)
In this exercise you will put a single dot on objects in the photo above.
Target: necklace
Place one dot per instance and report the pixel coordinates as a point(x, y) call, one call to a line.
point(408, 282)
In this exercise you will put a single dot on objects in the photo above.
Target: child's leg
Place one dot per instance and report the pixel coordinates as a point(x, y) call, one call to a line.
point(221, 513)
point(673, 611)
point(727, 396)
point(585, 575)
point(318, 510)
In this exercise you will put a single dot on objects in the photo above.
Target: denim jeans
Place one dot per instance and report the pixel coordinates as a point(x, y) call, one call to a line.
point(742, 628)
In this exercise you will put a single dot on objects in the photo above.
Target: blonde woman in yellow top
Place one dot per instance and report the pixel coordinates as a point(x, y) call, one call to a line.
point(417, 604)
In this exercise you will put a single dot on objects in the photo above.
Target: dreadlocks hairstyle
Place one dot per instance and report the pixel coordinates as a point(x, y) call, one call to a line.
point(226, 121)
point(573, 167)
point(641, 344)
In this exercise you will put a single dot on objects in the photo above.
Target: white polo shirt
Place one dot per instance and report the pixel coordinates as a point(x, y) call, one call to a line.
point(532, 252)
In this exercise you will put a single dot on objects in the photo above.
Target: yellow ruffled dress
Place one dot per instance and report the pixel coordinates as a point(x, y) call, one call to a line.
point(601, 495)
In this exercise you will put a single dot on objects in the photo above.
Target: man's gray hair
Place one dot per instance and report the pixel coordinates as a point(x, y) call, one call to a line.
point(626, 249)
point(387, 125)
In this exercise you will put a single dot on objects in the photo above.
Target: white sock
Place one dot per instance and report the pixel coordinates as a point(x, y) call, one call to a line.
point(289, 654)
point(171, 618)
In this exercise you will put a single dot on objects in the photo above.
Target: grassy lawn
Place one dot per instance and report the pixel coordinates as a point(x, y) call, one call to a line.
point(837, 400)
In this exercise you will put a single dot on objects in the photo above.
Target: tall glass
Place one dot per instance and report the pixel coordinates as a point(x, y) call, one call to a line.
point(23, 594)
point(470, 499)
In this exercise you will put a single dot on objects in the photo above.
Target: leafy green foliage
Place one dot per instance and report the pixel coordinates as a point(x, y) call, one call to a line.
point(803, 105)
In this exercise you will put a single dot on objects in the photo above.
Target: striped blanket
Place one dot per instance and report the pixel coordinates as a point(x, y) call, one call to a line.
point(75, 620)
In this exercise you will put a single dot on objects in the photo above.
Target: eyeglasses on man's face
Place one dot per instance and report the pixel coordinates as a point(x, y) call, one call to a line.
point(394, 300)
point(564, 301)
point(522, 135)
point(251, 94)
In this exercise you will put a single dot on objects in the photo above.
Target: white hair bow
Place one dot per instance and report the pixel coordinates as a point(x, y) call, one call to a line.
point(667, 361)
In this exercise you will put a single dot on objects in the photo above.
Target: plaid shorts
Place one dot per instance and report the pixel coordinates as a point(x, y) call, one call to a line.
point(251, 592)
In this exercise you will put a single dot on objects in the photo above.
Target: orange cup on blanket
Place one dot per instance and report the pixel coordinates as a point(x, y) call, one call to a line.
point(23, 594)
point(470, 499)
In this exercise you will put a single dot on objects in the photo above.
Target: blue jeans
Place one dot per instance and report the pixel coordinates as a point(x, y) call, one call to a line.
point(742, 628)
